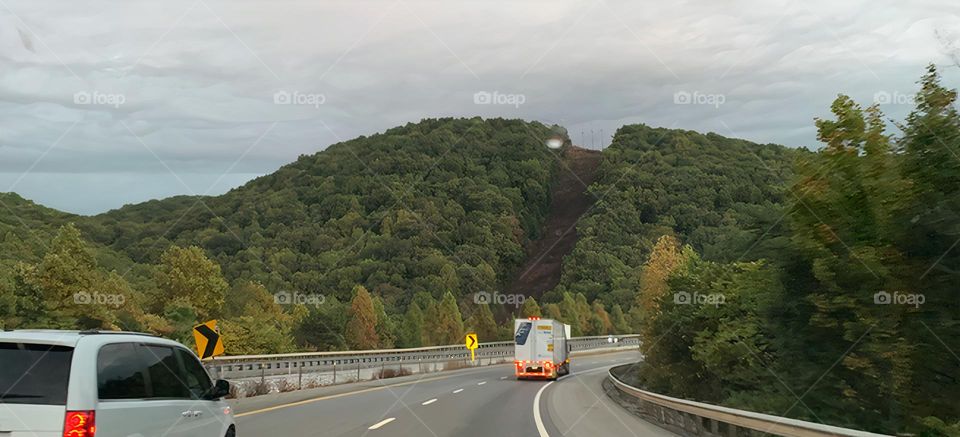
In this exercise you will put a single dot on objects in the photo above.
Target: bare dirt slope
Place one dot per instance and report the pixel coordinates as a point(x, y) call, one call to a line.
point(569, 200)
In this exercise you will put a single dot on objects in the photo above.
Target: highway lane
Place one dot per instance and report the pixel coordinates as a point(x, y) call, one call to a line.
point(473, 402)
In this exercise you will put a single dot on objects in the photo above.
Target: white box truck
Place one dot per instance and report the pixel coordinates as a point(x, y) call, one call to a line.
point(540, 349)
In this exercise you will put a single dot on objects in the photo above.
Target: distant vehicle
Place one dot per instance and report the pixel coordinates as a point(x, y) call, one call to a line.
point(540, 349)
point(106, 384)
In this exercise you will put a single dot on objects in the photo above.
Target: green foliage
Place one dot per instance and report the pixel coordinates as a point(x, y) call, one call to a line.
point(483, 323)
point(719, 195)
point(411, 329)
point(530, 308)
point(260, 327)
point(449, 323)
point(444, 204)
point(858, 308)
point(188, 276)
point(361, 329)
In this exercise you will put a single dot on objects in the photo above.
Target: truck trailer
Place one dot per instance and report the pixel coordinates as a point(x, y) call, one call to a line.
point(541, 349)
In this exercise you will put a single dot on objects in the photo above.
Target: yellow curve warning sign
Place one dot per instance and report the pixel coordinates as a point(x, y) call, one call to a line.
point(207, 337)
point(472, 343)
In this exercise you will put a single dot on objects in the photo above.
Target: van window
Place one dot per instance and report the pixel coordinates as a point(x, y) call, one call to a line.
point(195, 376)
point(34, 373)
point(120, 372)
point(164, 369)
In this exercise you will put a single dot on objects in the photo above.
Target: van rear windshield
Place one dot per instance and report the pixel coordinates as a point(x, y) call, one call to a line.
point(34, 373)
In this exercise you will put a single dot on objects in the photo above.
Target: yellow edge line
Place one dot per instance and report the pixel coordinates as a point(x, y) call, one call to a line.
point(340, 395)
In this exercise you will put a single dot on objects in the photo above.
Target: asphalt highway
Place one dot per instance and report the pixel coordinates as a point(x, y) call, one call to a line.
point(485, 401)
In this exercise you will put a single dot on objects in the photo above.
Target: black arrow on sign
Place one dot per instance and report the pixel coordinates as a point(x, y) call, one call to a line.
point(472, 341)
point(212, 338)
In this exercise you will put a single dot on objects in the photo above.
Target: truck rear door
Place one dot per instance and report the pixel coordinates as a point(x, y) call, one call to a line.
point(544, 345)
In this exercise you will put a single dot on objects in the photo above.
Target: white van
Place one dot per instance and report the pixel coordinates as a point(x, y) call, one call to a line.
point(106, 384)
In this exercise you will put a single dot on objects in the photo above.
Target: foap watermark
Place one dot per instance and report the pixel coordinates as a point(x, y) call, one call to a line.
point(498, 98)
point(685, 298)
point(96, 298)
point(297, 298)
point(284, 97)
point(898, 298)
point(698, 98)
point(98, 98)
point(893, 98)
point(486, 298)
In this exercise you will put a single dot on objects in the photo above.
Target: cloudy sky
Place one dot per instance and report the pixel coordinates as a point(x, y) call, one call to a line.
point(104, 103)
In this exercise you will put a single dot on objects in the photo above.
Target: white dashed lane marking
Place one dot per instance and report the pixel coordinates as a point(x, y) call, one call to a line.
point(481, 382)
point(457, 390)
point(383, 422)
point(429, 402)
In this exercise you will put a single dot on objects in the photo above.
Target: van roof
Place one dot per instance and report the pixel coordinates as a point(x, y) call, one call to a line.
point(55, 336)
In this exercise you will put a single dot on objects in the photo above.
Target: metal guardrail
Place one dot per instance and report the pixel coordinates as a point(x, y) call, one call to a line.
point(696, 418)
point(251, 366)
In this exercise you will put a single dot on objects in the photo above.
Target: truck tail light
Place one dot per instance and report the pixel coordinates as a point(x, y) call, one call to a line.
point(79, 424)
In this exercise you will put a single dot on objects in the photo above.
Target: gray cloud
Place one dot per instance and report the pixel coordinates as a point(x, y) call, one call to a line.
point(189, 86)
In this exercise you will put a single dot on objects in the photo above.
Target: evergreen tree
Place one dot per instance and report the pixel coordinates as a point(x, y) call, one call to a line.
point(483, 323)
point(530, 308)
point(619, 320)
point(385, 326)
point(449, 323)
point(361, 329)
point(552, 311)
point(568, 309)
point(411, 330)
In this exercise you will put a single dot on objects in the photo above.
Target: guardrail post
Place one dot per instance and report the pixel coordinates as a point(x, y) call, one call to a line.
point(300, 376)
point(334, 373)
point(262, 374)
point(420, 363)
point(358, 371)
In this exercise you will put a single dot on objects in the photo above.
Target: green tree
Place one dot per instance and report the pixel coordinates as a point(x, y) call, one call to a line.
point(665, 258)
point(449, 323)
point(619, 320)
point(260, 327)
point(569, 311)
point(411, 330)
point(600, 323)
point(530, 308)
point(361, 329)
point(483, 324)
point(385, 326)
point(552, 311)
point(187, 275)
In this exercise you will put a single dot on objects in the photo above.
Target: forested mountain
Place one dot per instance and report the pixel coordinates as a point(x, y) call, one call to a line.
point(717, 194)
point(398, 212)
point(430, 212)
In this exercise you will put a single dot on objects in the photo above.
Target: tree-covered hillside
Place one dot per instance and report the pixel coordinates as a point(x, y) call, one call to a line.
point(845, 314)
point(715, 193)
point(417, 208)
point(428, 213)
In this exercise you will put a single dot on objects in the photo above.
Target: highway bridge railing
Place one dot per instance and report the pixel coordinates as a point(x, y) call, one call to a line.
point(689, 418)
point(257, 374)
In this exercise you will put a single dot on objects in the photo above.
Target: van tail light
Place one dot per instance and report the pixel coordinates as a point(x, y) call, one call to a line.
point(79, 424)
